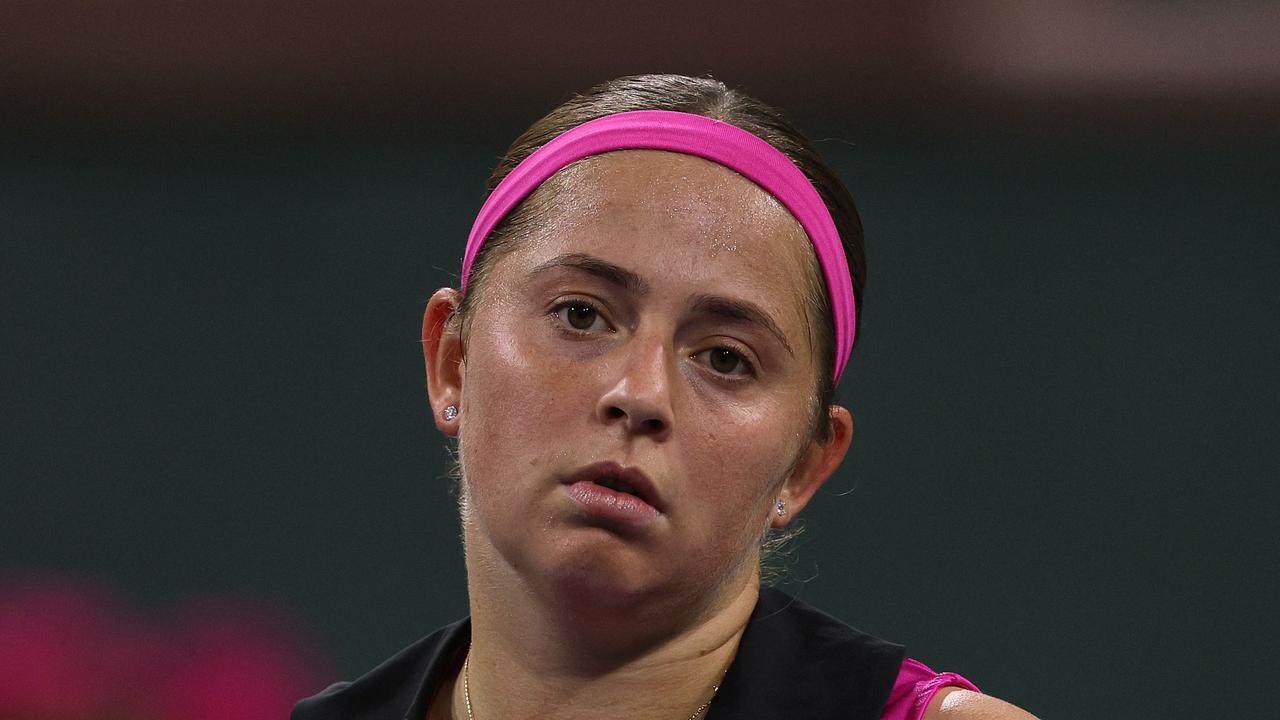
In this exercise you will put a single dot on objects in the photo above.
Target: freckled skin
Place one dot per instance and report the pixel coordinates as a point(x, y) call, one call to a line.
point(570, 617)
point(534, 399)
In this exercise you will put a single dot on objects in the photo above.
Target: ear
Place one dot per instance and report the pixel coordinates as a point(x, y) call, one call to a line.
point(817, 462)
point(442, 351)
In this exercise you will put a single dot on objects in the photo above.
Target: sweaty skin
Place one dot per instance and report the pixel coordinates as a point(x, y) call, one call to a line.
point(540, 393)
point(651, 320)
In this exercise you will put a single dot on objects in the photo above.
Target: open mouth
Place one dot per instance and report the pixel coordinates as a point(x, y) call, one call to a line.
point(617, 484)
point(612, 480)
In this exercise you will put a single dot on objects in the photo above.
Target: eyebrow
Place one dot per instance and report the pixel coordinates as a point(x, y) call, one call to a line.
point(602, 269)
point(740, 311)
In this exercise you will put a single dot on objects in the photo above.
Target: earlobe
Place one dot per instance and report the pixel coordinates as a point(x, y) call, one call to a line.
point(817, 463)
point(443, 356)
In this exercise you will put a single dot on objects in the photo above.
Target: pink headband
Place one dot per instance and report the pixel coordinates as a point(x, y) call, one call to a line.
point(688, 134)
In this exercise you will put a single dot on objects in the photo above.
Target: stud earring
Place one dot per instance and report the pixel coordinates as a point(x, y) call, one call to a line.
point(450, 412)
point(782, 508)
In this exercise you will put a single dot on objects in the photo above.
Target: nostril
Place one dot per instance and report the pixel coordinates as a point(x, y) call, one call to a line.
point(636, 422)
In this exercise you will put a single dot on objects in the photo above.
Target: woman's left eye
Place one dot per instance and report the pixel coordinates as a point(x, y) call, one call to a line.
point(727, 361)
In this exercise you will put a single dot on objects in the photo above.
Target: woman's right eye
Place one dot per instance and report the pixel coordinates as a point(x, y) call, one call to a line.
point(581, 316)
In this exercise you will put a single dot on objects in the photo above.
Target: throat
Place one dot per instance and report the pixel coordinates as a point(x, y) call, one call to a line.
point(531, 672)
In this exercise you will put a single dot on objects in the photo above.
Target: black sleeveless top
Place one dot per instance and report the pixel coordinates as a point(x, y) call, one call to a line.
point(793, 662)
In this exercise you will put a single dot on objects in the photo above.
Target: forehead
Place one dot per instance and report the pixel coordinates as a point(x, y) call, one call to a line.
point(672, 183)
point(678, 215)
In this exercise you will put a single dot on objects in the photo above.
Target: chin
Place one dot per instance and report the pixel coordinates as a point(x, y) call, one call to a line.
point(589, 572)
point(597, 562)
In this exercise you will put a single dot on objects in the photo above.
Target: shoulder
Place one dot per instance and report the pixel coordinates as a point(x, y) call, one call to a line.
point(384, 692)
point(392, 690)
point(789, 649)
point(954, 703)
point(922, 693)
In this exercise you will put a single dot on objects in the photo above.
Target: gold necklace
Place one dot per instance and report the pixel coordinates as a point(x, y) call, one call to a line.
point(466, 692)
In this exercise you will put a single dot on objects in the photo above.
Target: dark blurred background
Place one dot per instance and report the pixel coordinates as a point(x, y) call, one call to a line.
point(219, 223)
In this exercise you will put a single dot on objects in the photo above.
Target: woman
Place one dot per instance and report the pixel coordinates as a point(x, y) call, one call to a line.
point(657, 300)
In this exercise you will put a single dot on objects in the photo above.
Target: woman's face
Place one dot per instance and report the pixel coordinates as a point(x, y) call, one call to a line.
point(637, 383)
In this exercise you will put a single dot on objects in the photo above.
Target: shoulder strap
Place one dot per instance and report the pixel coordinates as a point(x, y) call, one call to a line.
point(798, 663)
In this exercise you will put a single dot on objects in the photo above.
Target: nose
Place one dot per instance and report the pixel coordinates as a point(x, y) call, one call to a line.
point(640, 399)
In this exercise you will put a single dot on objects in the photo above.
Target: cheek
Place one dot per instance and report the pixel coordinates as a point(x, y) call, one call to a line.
point(733, 489)
point(738, 460)
point(515, 402)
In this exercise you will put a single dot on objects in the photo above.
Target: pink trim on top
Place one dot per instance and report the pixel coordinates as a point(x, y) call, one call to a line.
point(916, 685)
point(688, 134)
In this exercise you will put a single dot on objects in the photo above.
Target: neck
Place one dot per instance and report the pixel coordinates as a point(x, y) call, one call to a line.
point(536, 656)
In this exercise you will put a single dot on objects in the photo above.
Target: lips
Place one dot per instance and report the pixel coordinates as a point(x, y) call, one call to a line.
point(612, 489)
